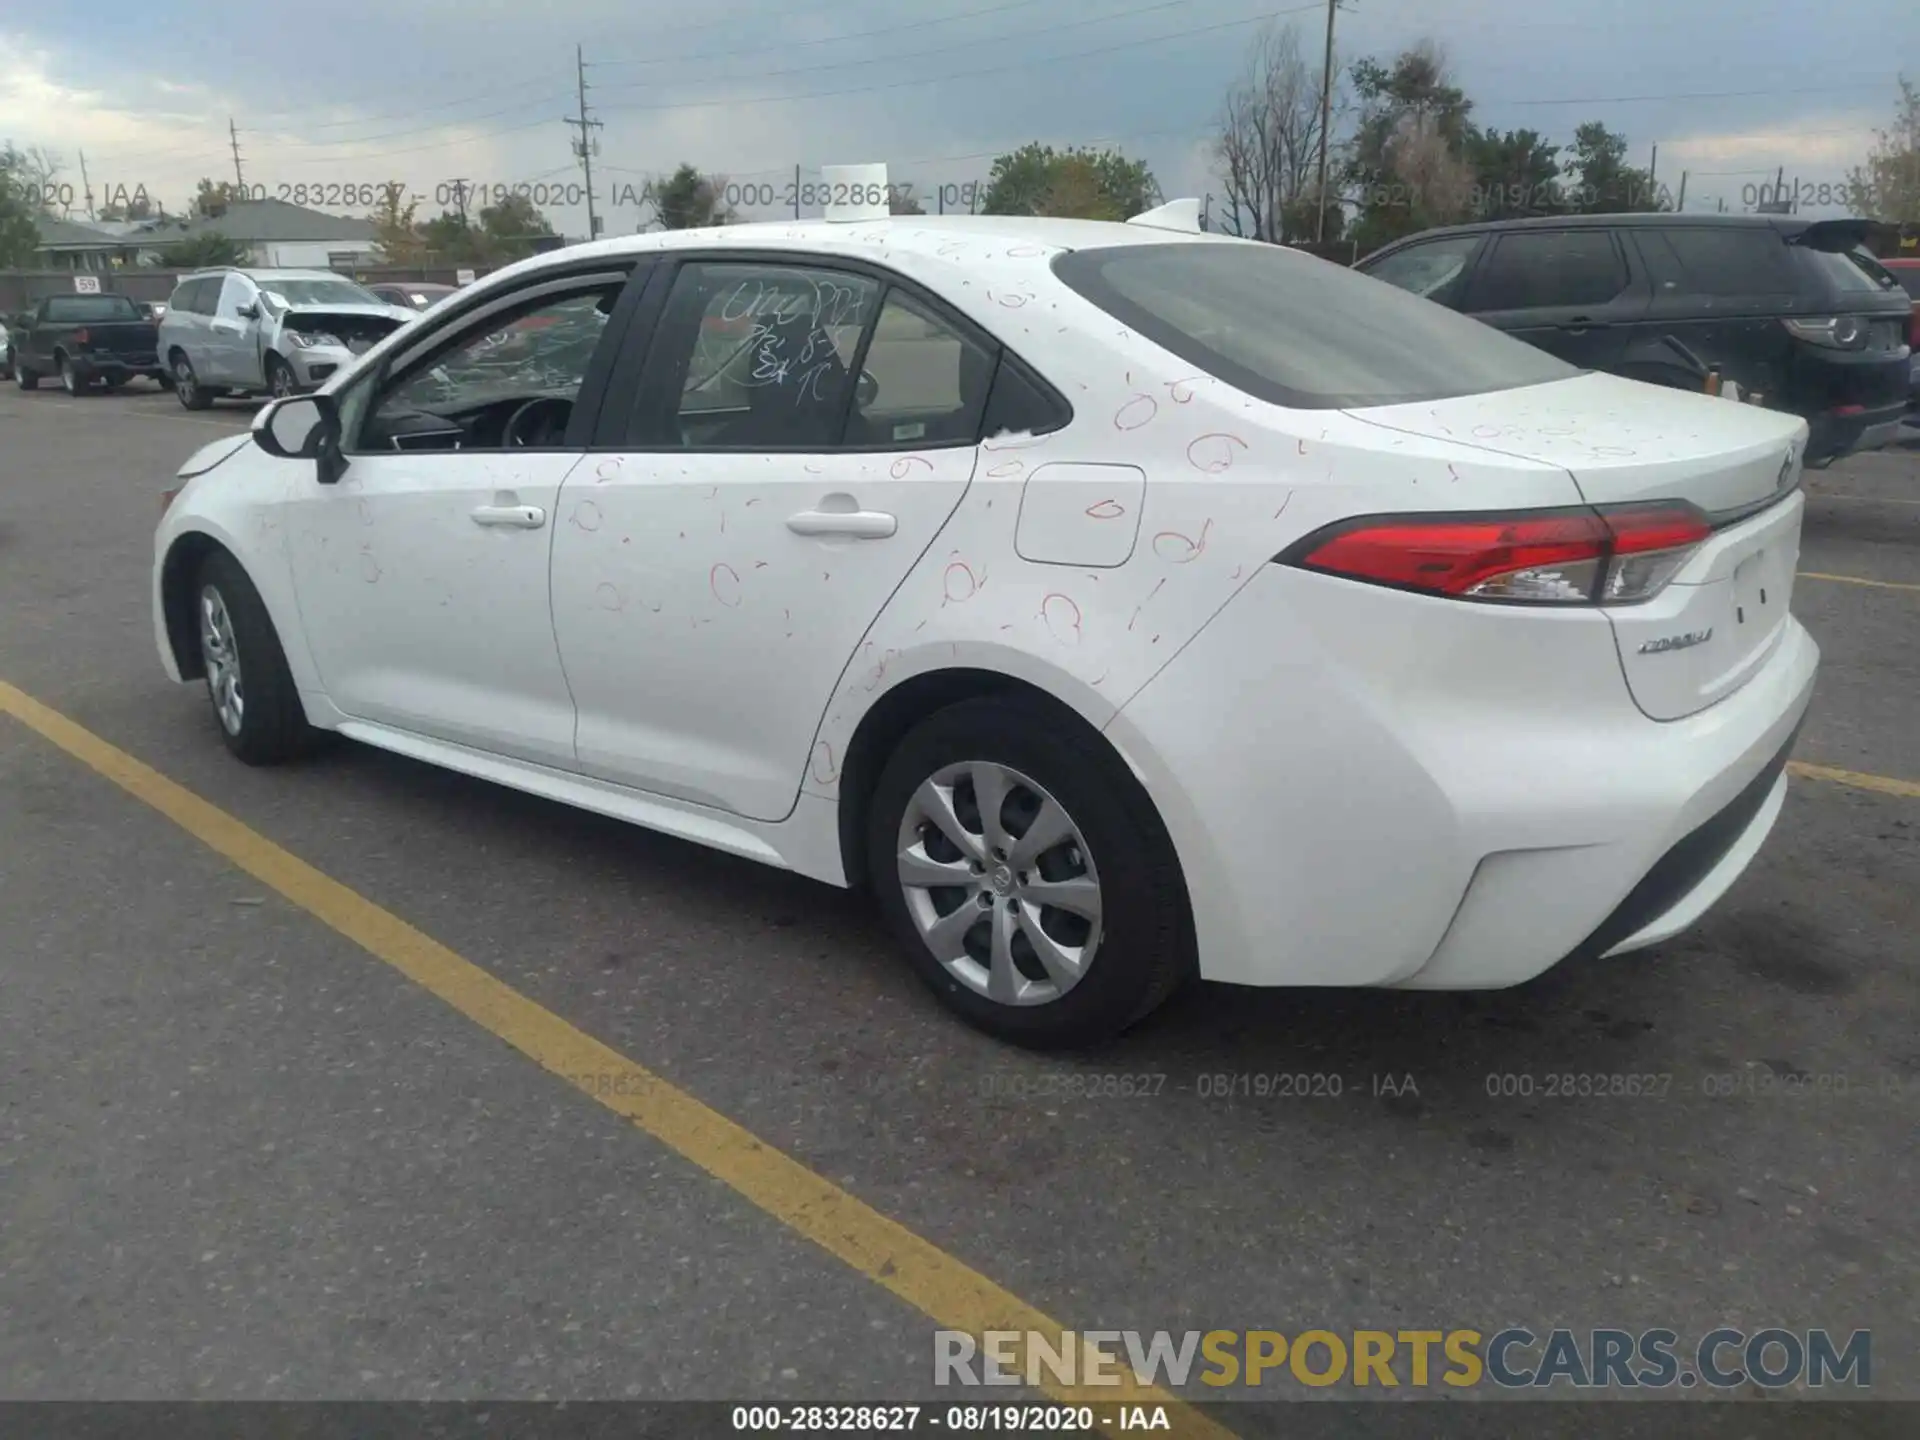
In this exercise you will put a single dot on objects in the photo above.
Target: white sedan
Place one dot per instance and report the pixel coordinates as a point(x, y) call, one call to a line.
point(1120, 603)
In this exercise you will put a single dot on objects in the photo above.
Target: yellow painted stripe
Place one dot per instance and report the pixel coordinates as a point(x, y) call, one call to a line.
point(1860, 780)
point(947, 1291)
point(1856, 580)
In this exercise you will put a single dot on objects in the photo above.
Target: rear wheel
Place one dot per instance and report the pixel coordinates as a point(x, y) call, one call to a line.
point(1027, 875)
point(187, 386)
point(70, 378)
point(254, 699)
point(25, 378)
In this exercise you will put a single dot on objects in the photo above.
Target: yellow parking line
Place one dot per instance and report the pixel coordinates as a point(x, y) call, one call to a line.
point(1856, 580)
point(941, 1287)
point(1858, 779)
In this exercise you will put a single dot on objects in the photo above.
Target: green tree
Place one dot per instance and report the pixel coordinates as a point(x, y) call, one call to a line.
point(1607, 185)
point(1407, 165)
point(1082, 182)
point(900, 202)
point(1887, 186)
point(509, 228)
point(1515, 173)
point(688, 200)
point(450, 235)
point(395, 230)
point(19, 234)
point(200, 252)
point(211, 199)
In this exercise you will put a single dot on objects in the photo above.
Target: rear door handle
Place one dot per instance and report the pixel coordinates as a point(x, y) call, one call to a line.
point(859, 524)
point(512, 517)
point(1580, 324)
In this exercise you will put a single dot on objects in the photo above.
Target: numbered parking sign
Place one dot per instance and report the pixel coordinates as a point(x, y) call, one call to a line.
point(87, 284)
point(463, 277)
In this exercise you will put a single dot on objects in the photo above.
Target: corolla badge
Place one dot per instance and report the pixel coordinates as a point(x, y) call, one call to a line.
point(1677, 642)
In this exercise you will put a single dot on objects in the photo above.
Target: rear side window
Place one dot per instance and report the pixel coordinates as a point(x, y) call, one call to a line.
point(1297, 331)
point(1854, 271)
point(63, 309)
point(1548, 269)
point(195, 297)
point(1711, 261)
point(923, 382)
point(1909, 278)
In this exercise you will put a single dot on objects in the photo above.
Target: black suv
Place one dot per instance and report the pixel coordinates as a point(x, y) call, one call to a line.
point(1795, 311)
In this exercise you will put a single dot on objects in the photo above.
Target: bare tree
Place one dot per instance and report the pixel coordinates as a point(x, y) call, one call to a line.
point(1268, 145)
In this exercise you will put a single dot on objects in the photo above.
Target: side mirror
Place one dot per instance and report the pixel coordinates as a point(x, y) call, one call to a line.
point(299, 427)
point(249, 311)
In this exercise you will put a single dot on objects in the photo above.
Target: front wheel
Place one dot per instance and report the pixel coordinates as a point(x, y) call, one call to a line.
point(1028, 875)
point(254, 698)
point(280, 382)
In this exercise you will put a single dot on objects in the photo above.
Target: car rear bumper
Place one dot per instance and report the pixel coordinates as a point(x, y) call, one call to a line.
point(1431, 795)
point(117, 367)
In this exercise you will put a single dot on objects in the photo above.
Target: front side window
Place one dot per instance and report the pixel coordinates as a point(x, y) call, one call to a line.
point(1297, 331)
point(469, 390)
point(1547, 270)
point(754, 357)
point(1434, 270)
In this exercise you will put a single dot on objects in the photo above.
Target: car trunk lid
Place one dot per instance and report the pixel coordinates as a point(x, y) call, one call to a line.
point(1624, 442)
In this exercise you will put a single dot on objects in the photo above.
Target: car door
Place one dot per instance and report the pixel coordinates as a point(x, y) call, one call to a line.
point(1571, 292)
point(232, 345)
point(422, 574)
point(718, 563)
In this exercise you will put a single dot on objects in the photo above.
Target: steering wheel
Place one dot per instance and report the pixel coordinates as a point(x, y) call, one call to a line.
point(540, 422)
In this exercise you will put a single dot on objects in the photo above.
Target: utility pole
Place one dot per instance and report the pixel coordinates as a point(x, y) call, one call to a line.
point(796, 192)
point(86, 184)
point(1780, 185)
point(1326, 120)
point(1681, 203)
point(586, 146)
point(239, 178)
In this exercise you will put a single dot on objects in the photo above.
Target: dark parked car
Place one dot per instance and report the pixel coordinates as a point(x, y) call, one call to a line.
point(85, 340)
point(414, 295)
point(1906, 269)
point(1792, 310)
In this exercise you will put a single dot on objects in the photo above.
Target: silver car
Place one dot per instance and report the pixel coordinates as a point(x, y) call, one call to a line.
point(273, 332)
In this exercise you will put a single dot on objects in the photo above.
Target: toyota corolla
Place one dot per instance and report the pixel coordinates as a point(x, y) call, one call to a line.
point(1119, 603)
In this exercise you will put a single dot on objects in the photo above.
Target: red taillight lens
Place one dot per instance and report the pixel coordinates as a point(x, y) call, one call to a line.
point(1546, 557)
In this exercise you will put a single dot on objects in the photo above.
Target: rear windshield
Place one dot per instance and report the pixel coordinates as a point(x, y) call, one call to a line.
point(91, 307)
point(1301, 332)
point(1852, 270)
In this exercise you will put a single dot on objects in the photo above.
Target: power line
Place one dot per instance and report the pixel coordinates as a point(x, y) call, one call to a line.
point(789, 45)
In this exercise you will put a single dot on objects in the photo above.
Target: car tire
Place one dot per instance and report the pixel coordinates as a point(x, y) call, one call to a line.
point(25, 378)
point(70, 379)
point(280, 381)
point(187, 387)
point(255, 702)
point(1134, 921)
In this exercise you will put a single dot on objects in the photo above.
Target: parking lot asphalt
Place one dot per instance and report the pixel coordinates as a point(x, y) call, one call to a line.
point(248, 1152)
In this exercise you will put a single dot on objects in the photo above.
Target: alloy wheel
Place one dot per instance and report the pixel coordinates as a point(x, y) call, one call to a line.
point(222, 657)
point(1000, 883)
point(183, 380)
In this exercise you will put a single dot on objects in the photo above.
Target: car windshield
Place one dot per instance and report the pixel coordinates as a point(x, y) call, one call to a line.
point(282, 294)
point(1301, 332)
point(91, 307)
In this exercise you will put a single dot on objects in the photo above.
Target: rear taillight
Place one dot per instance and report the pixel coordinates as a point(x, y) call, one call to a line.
point(1613, 555)
point(81, 337)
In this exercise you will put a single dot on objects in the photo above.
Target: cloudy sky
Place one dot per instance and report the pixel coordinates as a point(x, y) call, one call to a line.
point(423, 92)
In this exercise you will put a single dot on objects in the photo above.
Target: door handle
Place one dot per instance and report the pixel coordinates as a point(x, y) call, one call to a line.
point(859, 524)
point(1580, 325)
point(512, 517)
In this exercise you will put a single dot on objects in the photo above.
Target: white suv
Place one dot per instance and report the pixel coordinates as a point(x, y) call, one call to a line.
point(275, 332)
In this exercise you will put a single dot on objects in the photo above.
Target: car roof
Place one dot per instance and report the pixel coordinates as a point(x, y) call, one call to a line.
point(1782, 225)
point(253, 274)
